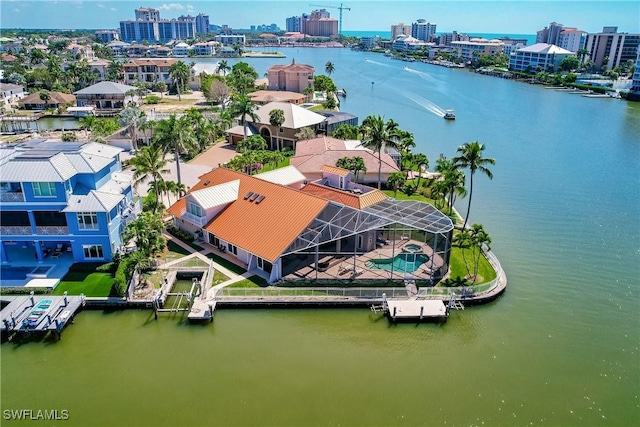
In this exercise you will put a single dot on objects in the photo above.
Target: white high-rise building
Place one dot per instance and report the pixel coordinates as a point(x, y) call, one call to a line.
point(423, 30)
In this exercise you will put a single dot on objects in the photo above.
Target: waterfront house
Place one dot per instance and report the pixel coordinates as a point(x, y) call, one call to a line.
point(538, 57)
point(181, 49)
point(204, 48)
point(10, 93)
point(56, 100)
point(80, 52)
point(62, 199)
point(148, 70)
point(312, 155)
point(292, 77)
point(332, 229)
point(99, 68)
point(118, 47)
point(296, 118)
point(471, 49)
point(106, 95)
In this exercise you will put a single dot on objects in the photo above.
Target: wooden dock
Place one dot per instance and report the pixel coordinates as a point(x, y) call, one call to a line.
point(417, 310)
point(18, 315)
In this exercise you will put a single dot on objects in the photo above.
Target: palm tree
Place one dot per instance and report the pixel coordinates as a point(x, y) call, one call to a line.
point(222, 67)
point(133, 118)
point(395, 180)
point(179, 73)
point(378, 136)
point(471, 157)
point(451, 180)
point(115, 71)
point(276, 119)
point(329, 68)
point(174, 135)
point(88, 122)
point(418, 160)
point(172, 187)
point(149, 162)
point(242, 106)
point(479, 238)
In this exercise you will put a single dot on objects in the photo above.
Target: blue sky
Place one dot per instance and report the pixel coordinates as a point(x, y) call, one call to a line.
point(508, 17)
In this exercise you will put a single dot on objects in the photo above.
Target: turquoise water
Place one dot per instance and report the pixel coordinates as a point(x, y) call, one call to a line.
point(386, 34)
point(559, 348)
point(401, 262)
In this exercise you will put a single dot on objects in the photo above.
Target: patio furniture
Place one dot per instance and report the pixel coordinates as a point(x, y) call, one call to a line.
point(344, 269)
point(58, 250)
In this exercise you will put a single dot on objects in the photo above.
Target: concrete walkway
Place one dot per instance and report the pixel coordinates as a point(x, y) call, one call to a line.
point(233, 277)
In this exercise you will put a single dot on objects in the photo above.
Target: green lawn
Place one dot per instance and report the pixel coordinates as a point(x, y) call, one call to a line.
point(176, 249)
point(458, 269)
point(269, 167)
point(83, 278)
point(415, 196)
point(227, 264)
point(251, 282)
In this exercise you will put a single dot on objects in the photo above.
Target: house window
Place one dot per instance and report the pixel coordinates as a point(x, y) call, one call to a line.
point(232, 248)
point(44, 189)
point(92, 251)
point(87, 220)
point(214, 240)
point(194, 209)
point(264, 265)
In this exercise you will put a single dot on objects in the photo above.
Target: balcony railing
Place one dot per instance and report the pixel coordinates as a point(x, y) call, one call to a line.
point(16, 230)
point(12, 197)
point(198, 220)
point(54, 230)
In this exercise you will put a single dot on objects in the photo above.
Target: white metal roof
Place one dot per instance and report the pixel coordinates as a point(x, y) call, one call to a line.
point(545, 48)
point(217, 195)
point(283, 176)
point(105, 88)
point(95, 201)
point(294, 117)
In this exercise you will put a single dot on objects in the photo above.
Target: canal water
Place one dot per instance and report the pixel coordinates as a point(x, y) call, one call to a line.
point(561, 347)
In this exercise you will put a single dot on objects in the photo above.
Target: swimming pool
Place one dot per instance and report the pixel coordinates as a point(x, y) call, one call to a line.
point(24, 272)
point(401, 262)
point(15, 273)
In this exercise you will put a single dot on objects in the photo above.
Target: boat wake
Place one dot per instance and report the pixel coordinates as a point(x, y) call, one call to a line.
point(426, 104)
point(378, 63)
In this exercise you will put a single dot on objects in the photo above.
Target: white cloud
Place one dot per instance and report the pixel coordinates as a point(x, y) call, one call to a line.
point(16, 10)
point(101, 6)
point(113, 8)
point(171, 6)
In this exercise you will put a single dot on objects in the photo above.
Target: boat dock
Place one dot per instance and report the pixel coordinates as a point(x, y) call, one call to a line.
point(42, 313)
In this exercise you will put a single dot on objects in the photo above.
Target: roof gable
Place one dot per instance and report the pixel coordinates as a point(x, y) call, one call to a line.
point(294, 117)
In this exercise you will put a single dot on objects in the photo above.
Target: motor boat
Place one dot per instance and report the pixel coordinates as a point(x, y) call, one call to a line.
point(449, 115)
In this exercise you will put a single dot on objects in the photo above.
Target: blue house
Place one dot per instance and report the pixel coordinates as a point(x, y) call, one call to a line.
point(63, 199)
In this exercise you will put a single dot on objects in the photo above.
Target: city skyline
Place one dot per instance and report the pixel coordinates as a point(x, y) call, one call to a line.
point(509, 17)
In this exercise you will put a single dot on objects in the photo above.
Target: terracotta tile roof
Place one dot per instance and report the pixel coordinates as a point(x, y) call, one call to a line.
point(291, 68)
point(334, 170)
point(54, 98)
point(358, 201)
point(143, 62)
point(178, 208)
point(312, 163)
point(318, 145)
point(266, 229)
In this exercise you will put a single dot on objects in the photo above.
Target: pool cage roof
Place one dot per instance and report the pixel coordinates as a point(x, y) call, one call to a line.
point(338, 221)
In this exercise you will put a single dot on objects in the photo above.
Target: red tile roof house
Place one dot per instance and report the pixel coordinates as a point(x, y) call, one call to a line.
point(330, 230)
point(313, 154)
point(291, 77)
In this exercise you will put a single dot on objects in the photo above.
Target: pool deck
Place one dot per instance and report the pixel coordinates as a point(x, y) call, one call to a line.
point(350, 267)
point(59, 314)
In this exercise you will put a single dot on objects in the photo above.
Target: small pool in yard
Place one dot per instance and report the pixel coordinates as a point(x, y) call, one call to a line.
point(24, 272)
point(402, 262)
point(14, 273)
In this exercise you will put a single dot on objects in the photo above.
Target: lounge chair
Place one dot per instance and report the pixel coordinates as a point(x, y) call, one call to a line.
point(344, 269)
point(358, 272)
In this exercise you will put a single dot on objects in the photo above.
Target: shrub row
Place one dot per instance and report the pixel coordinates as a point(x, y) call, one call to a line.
point(123, 274)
